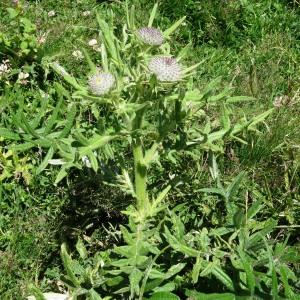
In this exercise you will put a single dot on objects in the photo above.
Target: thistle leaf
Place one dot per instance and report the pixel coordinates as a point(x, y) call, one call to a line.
point(89, 61)
point(45, 161)
point(152, 15)
point(248, 270)
point(8, 134)
point(95, 143)
point(164, 296)
point(171, 29)
point(68, 265)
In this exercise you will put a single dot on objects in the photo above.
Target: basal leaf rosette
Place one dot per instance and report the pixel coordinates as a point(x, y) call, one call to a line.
point(151, 36)
point(165, 68)
point(101, 83)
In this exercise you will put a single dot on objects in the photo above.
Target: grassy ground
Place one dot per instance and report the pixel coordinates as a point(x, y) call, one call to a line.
point(255, 49)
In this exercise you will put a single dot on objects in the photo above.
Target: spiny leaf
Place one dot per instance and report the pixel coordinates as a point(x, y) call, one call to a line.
point(260, 118)
point(81, 138)
point(61, 174)
point(89, 61)
point(69, 121)
point(93, 160)
point(178, 246)
point(217, 191)
point(152, 15)
point(208, 268)
point(81, 249)
point(174, 270)
point(194, 295)
point(8, 134)
point(94, 295)
point(95, 143)
point(225, 119)
point(85, 95)
point(42, 112)
point(27, 126)
point(254, 209)
point(234, 186)
point(258, 236)
point(223, 277)
point(285, 280)
point(21, 147)
point(235, 99)
point(274, 283)
point(188, 71)
point(134, 279)
point(45, 161)
point(171, 29)
point(164, 296)
point(109, 39)
point(248, 270)
point(36, 292)
point(220, 96)
point(67, 77)
point(161, 197)
point(104, 58)
point(196, 269)
point(184, 51)
point(68, 265)
point(51, 121)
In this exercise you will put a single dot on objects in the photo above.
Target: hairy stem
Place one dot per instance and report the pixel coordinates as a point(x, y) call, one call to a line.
point(140, 174)
point(140, 169)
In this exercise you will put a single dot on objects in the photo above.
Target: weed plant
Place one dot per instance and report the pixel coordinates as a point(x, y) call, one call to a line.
point(210, 220)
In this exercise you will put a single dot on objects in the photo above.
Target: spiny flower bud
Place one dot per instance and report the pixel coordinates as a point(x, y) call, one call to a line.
point(150, 35)
point(101, 83)
point(165, 68)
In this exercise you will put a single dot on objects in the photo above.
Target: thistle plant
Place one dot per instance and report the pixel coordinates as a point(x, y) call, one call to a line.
point(150, 97)
point(141, 88)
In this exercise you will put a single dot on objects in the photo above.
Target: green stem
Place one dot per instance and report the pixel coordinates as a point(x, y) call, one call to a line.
point(140, 169)
point(140, 174)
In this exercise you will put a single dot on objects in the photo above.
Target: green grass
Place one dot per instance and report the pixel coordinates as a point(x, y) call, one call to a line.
point(254, 48)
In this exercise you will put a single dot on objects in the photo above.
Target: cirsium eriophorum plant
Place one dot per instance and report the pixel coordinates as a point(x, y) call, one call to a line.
point(151, 96)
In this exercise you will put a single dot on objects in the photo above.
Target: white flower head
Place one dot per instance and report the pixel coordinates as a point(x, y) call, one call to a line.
point(101, 83)
point(5, 67)
point(150, 36)
point(165, 68)
point(23, 75)
point(92, 42)
point(51, 13)
point(77, 54)
point(86, 13)
point(22, 78)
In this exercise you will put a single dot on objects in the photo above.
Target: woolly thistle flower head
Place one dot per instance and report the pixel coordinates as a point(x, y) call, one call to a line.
point(150, 35)
point(101, 83)
point(165, 68)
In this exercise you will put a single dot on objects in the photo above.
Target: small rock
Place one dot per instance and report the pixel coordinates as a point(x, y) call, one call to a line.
point(52, 296)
